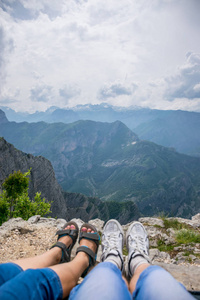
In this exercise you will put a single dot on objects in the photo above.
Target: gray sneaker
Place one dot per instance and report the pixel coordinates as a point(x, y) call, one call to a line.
point(112, 242)
point(137, 243)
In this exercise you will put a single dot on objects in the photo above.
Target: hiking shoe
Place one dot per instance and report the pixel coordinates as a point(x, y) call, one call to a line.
point(112, 242)
point(137, 244)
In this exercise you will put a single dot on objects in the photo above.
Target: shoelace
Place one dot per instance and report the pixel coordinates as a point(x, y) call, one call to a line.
point(140, 243)
point(111, 242)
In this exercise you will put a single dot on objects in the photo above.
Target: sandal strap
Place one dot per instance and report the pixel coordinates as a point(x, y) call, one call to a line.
point(89, 252)
point(90, 236)
point(65, 255)
point(71, 232)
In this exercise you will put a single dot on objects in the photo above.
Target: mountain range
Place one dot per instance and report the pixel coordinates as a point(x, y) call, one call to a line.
point(177, 129)
point(109, 161)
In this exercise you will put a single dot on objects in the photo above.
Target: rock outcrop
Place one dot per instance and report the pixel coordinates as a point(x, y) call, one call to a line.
point(19, 238)
point(42, 177)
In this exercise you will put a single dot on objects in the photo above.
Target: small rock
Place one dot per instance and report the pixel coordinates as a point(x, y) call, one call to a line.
point(34, 219)
point(164, 256)
point(196, 217)
point(177, 248)
point(153, 243)
point(154, 253)
point(196, 251)
point(170, 241)
point(46, 220)
point(97, 223)
point(193, 257)
point(171, 232)
point(78, 221)
point(60, 223)
point(180, 260)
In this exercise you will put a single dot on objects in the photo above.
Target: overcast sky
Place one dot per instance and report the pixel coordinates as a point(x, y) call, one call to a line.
point(122, 52)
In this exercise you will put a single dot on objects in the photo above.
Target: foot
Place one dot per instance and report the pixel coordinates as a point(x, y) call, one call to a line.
point(66, 240)
point(137, 244)
point(67, 237)
point(89, 242)
point(112, 243)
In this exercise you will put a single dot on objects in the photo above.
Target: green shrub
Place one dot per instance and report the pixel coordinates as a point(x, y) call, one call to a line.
point(15, 202)
point(25, 208)
point(4, 208)
point(14, 186)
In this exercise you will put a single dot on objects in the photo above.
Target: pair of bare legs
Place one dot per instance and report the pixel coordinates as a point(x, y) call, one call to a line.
point(70, 272)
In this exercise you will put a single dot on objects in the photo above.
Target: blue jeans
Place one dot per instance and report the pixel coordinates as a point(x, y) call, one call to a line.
point(31, 284)
point(103, 282)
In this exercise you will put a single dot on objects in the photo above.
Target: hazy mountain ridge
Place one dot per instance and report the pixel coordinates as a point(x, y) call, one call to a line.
point(108, 161)
point(177, 129)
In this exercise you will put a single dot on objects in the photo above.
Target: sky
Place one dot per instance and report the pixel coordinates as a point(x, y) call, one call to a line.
point(121, 52)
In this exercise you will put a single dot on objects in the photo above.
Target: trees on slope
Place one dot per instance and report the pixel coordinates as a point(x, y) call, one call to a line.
point(15, 202)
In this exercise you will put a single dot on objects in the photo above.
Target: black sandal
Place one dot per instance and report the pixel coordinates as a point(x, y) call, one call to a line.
point(73, 233)
point(92, 237)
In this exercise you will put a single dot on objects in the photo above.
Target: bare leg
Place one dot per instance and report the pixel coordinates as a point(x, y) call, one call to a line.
point(134, 279)
point(69, 273)
point(49, 258)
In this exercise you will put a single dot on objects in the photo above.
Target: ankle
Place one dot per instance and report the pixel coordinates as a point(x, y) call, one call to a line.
point(56, 253)
point(114, 257)
point(83, 258)
point(136, 262)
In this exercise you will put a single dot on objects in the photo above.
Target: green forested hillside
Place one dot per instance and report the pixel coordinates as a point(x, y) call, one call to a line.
point(108, 161)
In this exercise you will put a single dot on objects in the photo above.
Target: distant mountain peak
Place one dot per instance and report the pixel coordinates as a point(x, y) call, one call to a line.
point(3, 118)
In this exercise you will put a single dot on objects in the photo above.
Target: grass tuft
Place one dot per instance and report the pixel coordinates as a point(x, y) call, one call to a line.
point(186, 236)
point(163, 247)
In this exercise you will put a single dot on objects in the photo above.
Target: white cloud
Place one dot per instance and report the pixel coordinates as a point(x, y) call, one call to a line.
point(41, 93)
point(76, 52)
point(185, 83)
point(69, 92)
point(116, 89)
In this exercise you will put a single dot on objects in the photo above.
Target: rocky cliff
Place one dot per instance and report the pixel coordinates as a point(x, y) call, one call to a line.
point(19, 238)
point(42, 177)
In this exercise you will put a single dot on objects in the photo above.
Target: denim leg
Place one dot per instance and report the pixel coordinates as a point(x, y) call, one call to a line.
point(155, 283)
point(8, 271)
point(103, 282)
point(39, 284)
